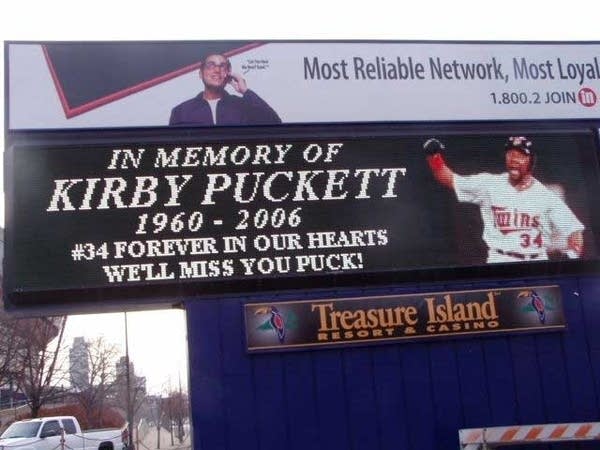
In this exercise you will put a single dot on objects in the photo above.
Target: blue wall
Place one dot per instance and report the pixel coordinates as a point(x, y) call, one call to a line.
point(401, 396)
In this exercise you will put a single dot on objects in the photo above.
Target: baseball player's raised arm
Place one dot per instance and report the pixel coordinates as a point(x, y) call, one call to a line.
point(435, 159)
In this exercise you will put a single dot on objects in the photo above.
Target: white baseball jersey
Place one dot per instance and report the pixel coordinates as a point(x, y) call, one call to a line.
point(517, 222)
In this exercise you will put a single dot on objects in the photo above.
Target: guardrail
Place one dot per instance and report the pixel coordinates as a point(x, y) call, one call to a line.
point(489, 438)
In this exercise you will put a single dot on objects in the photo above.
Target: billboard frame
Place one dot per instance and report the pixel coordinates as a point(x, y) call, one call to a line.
point(150, 296)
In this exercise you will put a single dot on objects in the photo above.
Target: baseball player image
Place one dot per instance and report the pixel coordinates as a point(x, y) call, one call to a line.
point(523, 220)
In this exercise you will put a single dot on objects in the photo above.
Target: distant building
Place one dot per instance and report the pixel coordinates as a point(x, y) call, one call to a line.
point(79, 364)
point(138, 384)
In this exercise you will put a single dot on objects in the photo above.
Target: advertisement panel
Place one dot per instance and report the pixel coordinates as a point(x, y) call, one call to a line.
point(306, 207)
point(67, 85)
point(281, 326)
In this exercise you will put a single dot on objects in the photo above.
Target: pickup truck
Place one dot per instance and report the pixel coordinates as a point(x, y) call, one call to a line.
point(60, 432)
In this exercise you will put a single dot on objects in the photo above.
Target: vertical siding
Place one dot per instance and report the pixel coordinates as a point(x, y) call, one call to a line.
point(446, 392)
point(390, 401)
point(300, 392)
point(333, 429)
point(402, 396)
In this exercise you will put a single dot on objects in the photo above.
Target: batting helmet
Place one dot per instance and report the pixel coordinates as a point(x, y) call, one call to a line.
point(522, 144)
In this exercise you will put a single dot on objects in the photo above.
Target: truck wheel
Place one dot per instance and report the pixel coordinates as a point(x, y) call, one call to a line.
point(106, 446)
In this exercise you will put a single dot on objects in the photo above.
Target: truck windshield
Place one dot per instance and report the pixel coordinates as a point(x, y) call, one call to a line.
point(21, 430)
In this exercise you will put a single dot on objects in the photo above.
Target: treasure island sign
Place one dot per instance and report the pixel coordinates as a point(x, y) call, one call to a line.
point(386, 319)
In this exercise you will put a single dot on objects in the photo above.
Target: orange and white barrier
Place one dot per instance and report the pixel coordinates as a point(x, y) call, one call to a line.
point(486, 438)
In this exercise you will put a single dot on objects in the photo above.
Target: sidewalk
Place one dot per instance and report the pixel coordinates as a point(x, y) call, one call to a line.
point(148, 441)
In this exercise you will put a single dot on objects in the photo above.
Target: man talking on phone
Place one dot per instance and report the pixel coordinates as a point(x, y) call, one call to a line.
point(215, 106)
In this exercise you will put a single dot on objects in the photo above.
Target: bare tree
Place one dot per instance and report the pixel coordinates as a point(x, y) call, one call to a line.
point(94, 392)
point(130, 391)
point(176, 410)
point(9, 346)
point(41, 374)
point(156, 414)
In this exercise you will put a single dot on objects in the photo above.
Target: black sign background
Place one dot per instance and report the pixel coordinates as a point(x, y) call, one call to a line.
point(422, 227)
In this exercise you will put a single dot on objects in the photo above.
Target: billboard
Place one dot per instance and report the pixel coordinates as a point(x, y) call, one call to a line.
point(159, 169)
point(295, 325)
point(75, 85)
point(289, 207)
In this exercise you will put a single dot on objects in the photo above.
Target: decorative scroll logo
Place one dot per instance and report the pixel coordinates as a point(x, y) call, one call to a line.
point(277, 322)
point(537, 304)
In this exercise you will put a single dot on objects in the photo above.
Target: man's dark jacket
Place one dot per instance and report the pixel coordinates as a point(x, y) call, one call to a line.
point(249, 109)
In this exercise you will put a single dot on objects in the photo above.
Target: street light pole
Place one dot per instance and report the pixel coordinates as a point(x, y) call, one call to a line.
point(128, 378)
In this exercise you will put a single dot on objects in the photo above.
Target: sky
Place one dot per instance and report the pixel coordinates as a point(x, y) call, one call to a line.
point(157, 339)
point(157, 343)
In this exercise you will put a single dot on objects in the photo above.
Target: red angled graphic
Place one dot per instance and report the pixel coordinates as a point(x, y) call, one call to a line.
point(76, 68)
